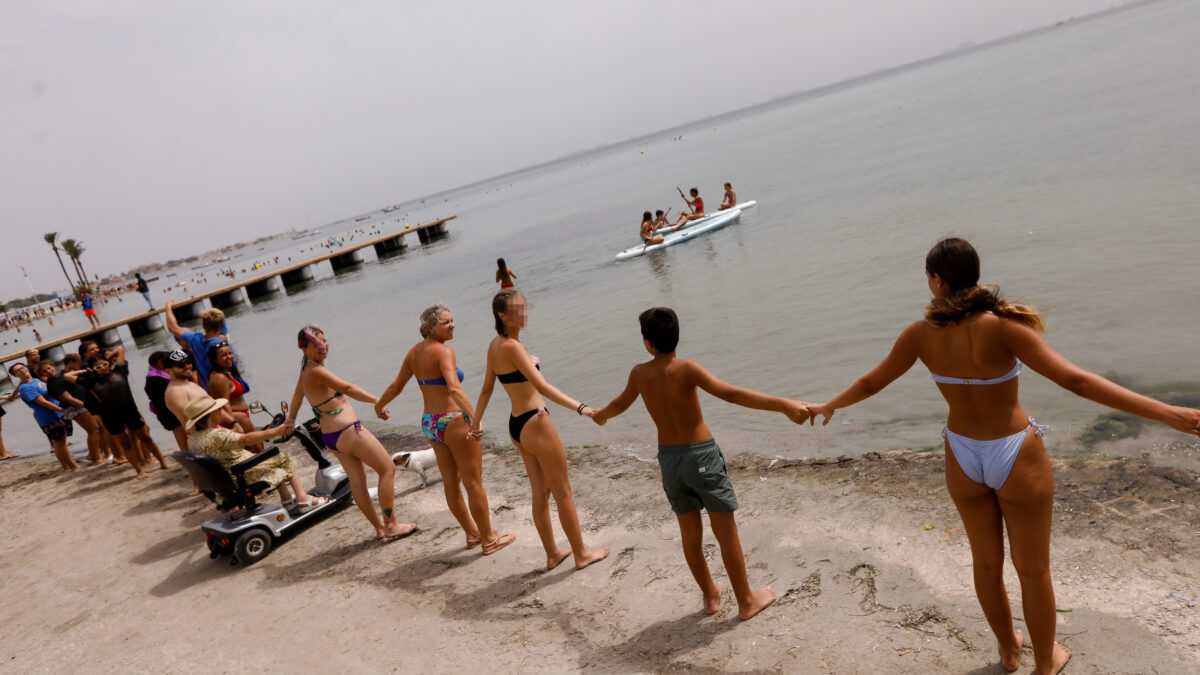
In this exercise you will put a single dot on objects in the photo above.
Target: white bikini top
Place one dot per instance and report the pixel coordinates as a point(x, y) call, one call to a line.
point(1015, 371)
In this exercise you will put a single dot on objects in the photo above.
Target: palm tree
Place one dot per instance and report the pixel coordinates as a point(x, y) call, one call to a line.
point(52, 239)
point(74, 250)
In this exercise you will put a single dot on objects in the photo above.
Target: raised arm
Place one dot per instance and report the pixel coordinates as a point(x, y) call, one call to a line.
point(619, 404)
point(172, 324)
point(796, 411)
point(1032, 350)
point(896, 363)
point(393, 390)
point(326, 377)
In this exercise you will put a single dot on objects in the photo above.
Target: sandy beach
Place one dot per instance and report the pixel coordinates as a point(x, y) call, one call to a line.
point(104, 573)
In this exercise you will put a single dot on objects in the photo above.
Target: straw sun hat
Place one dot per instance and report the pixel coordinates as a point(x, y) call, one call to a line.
point(200, 407)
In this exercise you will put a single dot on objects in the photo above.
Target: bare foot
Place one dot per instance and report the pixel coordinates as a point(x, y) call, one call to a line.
point(490, 547)
point(759, 600)
point(392, 529)
point(120, 461)
point(142, 474)
point(561, 555)
point(712, 604)
point(1012, 660)
point(1061, 656)
point(167, 467)
point(590, 556)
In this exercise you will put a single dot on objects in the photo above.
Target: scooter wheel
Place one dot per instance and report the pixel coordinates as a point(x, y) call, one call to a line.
point(252, 546)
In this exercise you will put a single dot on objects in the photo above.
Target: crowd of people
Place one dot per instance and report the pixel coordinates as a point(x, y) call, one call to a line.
point(973, 340)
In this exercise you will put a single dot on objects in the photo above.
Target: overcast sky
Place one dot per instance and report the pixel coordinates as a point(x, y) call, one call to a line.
point(157, 130)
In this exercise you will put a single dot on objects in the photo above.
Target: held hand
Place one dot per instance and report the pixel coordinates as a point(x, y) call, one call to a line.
point(1186, 420)
point(476, 433)
point(381, 411)
point(821, 409)
point(597, 416)
point(797, 411)
point(287, 427)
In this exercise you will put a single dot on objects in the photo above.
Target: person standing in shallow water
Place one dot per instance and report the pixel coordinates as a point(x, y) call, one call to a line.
point(504, 275)
point(975, 343)
point(531, 430)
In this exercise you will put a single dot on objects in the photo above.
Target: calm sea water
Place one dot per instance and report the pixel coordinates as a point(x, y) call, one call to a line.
point(1069, 158)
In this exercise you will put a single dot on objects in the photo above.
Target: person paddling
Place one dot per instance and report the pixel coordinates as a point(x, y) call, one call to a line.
point(696, 203)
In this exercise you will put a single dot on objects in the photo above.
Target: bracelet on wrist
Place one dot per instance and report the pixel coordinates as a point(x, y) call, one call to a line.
point(580, 408)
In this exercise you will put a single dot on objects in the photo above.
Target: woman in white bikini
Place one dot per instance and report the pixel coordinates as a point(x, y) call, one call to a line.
point(997, 469)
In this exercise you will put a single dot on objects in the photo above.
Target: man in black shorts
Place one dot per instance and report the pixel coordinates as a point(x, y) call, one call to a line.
point(119, 413)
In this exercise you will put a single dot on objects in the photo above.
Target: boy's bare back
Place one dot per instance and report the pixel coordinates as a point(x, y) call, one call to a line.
point(668, 386)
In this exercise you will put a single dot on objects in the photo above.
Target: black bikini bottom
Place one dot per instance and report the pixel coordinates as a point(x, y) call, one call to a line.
point(517, 422)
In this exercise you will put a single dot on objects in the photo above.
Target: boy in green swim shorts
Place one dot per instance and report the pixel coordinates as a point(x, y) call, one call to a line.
point(693, 468)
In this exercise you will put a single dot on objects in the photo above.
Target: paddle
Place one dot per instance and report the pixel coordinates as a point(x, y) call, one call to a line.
point(684, 198)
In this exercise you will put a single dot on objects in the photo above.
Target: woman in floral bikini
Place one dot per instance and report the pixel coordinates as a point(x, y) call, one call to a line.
point(446, 424)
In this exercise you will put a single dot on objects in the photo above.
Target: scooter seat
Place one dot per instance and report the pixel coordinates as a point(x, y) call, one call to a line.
point(229, 491)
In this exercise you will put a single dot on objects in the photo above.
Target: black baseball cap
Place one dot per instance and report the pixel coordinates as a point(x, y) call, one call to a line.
point(177, 358)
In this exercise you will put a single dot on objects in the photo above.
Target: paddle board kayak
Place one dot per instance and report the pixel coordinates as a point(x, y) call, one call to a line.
point(715, 222)
point(700, 221)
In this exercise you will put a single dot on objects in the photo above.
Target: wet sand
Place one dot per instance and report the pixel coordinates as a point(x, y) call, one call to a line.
point(103, 573)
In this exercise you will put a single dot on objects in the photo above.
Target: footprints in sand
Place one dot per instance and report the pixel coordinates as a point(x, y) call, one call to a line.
point(622, 562)
point(808, 589)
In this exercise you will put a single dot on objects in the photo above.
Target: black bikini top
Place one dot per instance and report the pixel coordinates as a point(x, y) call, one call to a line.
point(515, 376)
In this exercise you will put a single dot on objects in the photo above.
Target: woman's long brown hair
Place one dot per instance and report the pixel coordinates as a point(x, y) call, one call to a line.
point(957, 264)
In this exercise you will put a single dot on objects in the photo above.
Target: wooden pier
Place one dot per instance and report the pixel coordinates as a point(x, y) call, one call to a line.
point(236, 293)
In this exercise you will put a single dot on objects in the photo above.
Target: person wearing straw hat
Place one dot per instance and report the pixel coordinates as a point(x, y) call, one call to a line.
point(207, 438)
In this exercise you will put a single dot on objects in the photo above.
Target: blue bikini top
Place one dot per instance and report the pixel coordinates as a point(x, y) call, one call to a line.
point(439, 380)
point(1013, 372)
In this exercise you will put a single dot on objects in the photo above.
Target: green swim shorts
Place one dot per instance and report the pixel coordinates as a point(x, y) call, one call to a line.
point(694, 477)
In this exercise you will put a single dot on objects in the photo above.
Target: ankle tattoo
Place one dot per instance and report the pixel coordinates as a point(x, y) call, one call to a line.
point(387, 513)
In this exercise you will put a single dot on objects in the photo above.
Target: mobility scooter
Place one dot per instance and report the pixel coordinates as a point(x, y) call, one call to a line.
point(248, 530)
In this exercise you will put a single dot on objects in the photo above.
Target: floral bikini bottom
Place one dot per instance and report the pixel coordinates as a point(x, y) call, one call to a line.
point(433, 425)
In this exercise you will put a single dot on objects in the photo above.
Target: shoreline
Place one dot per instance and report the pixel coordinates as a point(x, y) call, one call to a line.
point(866, 554)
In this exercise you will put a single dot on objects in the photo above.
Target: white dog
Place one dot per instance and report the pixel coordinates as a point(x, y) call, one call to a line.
point(417, 462)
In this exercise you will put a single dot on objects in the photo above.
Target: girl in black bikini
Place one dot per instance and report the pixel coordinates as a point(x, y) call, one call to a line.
point(532, 431)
